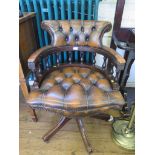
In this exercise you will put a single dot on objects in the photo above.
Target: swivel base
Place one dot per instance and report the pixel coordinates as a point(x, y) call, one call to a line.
point(122, 135)
point(61, 123)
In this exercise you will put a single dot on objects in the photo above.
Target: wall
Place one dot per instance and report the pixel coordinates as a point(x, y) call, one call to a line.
point(107, 12)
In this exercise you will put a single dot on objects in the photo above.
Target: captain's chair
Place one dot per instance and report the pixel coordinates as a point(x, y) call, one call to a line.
point(73, 85)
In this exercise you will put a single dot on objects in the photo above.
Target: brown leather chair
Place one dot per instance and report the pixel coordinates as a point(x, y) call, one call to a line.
point(72, 88)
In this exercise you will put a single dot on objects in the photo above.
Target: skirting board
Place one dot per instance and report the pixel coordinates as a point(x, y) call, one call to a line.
point(130, 84)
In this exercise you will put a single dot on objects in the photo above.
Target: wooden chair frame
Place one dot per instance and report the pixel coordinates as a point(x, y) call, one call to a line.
point(111, 61)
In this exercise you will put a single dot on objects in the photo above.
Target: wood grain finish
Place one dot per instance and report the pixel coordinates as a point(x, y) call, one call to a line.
point(68, 140)
point(28, 43)
point(52, 132)
point(28, 39)
point(23, 81)
point(84, 135)
point(103, 51)
point(125, 36)
point(64, 95)
point(113, 61)
point(118, 14)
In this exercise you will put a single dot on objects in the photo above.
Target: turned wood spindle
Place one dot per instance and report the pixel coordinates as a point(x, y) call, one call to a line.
point(112, 70)
point(58, 59)
point(39, 70)
point(35, 83)
point(94, 60)
point(104, 65)
point(81, 56)
point(117, 74)
point(70, 57)
point(110, 67)
point(47, 63)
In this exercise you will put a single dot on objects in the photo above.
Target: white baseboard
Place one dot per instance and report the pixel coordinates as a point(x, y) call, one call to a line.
point(130, 84)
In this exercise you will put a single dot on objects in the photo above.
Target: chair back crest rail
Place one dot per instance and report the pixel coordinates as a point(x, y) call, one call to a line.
point(69, 37)
point(76, 32)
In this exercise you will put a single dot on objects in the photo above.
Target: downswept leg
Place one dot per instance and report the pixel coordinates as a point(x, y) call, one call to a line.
point(52, 132)
point(84, 135)
point(33, 114)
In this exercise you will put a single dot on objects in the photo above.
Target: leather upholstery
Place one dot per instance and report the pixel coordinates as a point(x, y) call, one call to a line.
point(75, 91)
point(76, 32)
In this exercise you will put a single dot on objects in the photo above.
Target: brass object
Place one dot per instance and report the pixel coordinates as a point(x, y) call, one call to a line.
point(124, 132)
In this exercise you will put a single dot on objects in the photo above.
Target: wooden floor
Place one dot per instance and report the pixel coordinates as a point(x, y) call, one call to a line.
point(68, 140)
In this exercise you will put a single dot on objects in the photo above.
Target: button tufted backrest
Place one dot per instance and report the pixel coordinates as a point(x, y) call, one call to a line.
point(76, 32)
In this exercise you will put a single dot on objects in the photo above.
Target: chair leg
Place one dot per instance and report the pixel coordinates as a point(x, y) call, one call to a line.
point(52, 132)
point(33, 114)
point(84, 135)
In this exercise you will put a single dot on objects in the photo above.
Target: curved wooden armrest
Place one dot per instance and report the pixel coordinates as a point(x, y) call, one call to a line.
point(115, 61)
point(34, 57)
point(119, 59)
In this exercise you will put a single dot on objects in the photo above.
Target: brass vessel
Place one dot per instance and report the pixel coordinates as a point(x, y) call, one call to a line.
point(124, 132)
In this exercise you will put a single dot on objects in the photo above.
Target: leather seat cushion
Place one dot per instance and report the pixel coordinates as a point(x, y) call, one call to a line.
point(75, 91)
